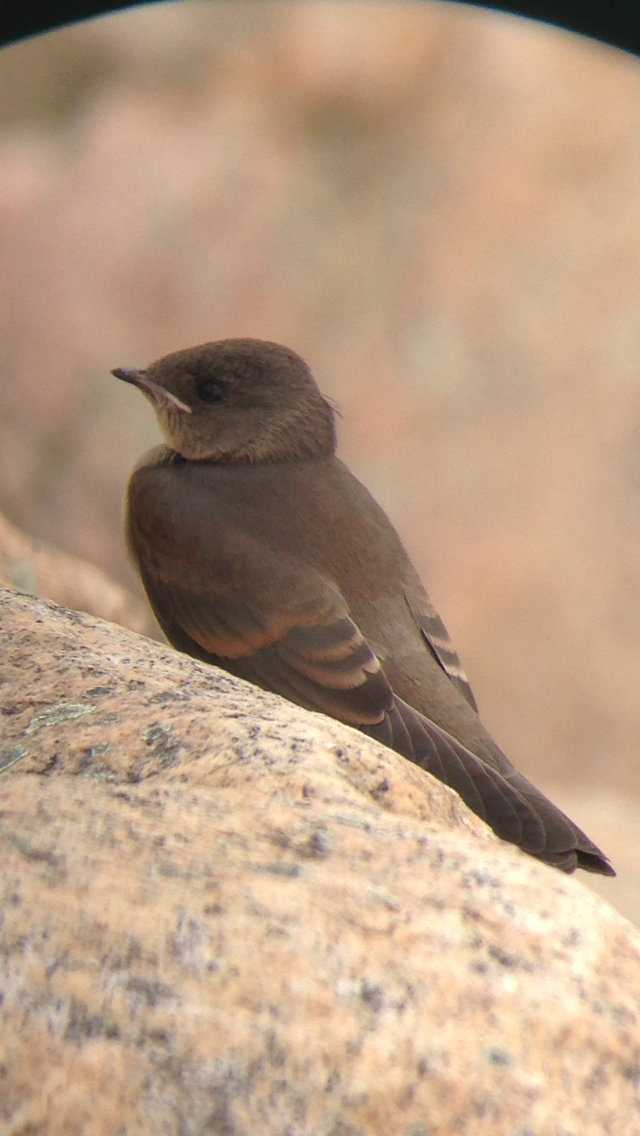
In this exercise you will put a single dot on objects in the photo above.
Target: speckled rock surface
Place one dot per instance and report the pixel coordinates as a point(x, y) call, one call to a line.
point(223, 915)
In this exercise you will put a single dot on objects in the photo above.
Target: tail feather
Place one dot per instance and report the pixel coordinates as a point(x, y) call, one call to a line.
point(511, 805)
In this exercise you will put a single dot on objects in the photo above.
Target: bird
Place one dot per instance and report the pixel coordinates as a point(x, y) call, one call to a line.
point(261, 553)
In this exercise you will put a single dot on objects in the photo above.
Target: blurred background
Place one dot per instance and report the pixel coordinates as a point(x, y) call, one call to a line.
point(439, 208)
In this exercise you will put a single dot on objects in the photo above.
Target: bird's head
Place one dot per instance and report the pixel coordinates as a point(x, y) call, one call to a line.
point(237, 400)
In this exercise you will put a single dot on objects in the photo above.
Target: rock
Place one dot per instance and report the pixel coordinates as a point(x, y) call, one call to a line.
point(46, 571)
point(225, 915)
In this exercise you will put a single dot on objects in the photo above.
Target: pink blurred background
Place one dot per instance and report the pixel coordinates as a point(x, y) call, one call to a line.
point(439, 208)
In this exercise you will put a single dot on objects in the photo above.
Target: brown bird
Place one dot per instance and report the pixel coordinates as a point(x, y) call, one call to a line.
point(260, 552)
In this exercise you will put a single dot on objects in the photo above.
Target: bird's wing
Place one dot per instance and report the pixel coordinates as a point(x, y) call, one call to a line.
point(285, 626)
point(313, 656)
point(436, 637)
point(266, 615)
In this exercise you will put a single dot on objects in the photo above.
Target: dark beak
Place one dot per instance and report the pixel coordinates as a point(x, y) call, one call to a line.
point(129, 375)
point(157, 394)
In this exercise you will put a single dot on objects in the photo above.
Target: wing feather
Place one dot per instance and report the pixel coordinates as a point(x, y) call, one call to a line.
point(437, 637)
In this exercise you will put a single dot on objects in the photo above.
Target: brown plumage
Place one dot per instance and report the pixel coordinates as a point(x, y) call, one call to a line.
point(261, 553)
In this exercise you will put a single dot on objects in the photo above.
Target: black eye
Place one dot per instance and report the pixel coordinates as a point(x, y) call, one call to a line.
point(211, 392)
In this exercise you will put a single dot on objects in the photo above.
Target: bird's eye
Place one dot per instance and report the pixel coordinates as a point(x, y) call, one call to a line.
point(211, 392)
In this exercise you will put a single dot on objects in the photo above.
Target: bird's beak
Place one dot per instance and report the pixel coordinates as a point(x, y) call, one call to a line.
point(158, 395)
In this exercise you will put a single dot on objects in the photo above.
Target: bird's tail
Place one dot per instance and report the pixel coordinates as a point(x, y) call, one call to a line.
point(510, 805)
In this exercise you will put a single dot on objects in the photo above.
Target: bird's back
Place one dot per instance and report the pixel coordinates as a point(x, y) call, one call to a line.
point(303, 512)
